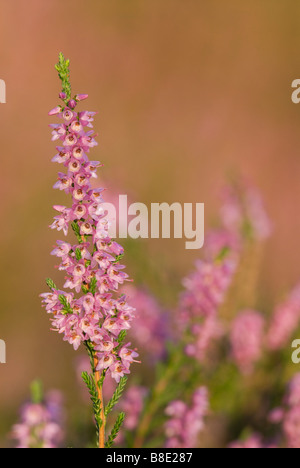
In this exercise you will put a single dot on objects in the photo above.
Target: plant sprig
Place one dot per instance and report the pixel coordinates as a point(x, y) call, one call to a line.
point(63, 69)
point(115, 430)
point(51, 284)
point(76, 230)
point(67, 308)
point(91, 385)
point(116, 396)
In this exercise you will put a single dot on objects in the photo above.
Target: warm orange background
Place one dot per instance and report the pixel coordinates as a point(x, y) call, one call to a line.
point(187, 93)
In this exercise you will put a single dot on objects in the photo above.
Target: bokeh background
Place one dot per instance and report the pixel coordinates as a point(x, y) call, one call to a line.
point(188, 93)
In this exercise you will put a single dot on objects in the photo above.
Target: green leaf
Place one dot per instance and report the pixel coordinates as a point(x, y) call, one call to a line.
point(224, 252)
point(63, 70)
point(37, 394)
point(116, 396)
point(93, 285)
point(115, 430)
point(84, 289)
point(51, 284)
point(90, 383)
point(121, 339)
point(78, 254)
point(67, 308)
point(76, 230)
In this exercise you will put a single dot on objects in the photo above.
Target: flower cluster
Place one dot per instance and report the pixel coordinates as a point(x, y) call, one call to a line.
point(185, 423)
point(254, 441)
point(285, 321)
point(91, 265)
point(286, 420)
point(205, 290)
point(243, 217)
point(288, 415)
point(243, 211)
point(246, 338)
point(40, 424)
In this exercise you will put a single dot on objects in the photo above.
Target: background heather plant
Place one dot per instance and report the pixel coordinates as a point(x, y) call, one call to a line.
point(41, 423)
point(95, 315)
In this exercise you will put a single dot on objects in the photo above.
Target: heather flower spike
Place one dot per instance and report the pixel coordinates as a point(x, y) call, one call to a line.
point(89, 311)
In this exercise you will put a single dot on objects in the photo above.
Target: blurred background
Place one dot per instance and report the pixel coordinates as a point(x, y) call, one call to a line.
point(188, 94)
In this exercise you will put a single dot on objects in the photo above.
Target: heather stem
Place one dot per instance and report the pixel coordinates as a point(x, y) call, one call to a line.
point(99, 385)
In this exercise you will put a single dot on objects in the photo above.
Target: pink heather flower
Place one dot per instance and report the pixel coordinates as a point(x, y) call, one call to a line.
point(127, 355)
point(91, 265)
point(253, 442)
point(62, 250)
point(40, 424)
point(186, 423)
point(204, 334)
point(81, 97)
point(291, 427)
point(288, 415)
point(276, 415)
point(219, 240)
point(132, 404)
point(293, 392)
point(205, 291)
point(72, 103)
point(246, 339)
point(118, 370)
point(82, 364)
point(55, 111)
point(285, 321)
point(243, 211)
point(59, 132)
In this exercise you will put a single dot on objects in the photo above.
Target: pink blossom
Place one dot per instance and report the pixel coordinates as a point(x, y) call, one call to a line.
point(41, 424)
point(205, 291)
point(289, 414)
point(118, 370)
point(246, 339)
point(132, 404)
point(285, 321)
point(204, 334)
point(291, 427)
point(243, 211)
point(293, 391)
point(186, 423)
point(81, 97)
point(253, 442)
point(55, 111)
